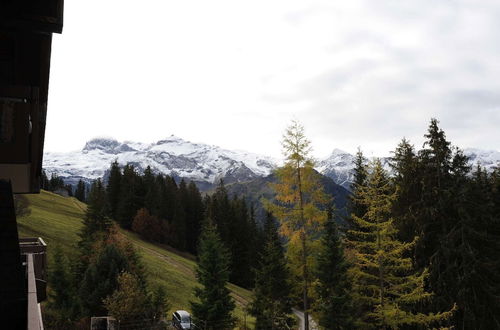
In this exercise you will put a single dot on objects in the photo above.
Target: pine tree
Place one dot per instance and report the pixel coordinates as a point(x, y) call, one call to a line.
point(194, 209)
point(95, 223)
point(80, 191)
point(61, 284)
point(360, 174)
point(214, 307)
point(113, 189)
point(407, 181)
point(44, 181)
point(385, 284)
point(100, 280)
point(271, 305)
point(334, 303)
point(298, 202)
point(129, 200)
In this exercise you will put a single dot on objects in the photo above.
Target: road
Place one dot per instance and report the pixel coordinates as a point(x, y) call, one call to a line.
point(300, 315)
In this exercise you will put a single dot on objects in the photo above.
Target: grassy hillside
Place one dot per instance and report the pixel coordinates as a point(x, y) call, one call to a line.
point(59, 219)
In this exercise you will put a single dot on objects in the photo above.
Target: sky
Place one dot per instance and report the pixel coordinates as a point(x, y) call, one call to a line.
point(235, 73)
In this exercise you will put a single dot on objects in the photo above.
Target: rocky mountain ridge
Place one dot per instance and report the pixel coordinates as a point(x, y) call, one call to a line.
point(201, 163)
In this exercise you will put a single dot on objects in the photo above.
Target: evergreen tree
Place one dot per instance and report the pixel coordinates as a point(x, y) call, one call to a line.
point(61, 293)
point(113, 189)
point(334, 304)
point(214, 307)
point(385, 284)
point(95, 222)
point(298, 202)
point(407, 182)
point(360, 174)
point(240, 244)
point(44, 181)
point(129, 201)
point(56, 182)
point(193, 209)
point(271, 305)
point(80, 191)
point(220, 211)
point(100, 280)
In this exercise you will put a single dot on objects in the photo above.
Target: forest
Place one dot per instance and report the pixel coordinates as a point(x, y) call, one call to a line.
point(418, 248)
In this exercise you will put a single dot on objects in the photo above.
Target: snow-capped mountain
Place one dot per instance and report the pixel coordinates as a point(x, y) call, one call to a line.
point(173, 156)
point(202, 163)
point(488, 159)
point(340, 164)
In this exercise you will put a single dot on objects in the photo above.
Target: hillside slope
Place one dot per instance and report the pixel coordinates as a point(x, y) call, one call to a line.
point(59, 219)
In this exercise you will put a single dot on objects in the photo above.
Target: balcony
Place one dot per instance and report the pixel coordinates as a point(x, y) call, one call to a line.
point(34, 258)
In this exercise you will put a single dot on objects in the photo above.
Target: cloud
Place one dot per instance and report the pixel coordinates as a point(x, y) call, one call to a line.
point(356, 73)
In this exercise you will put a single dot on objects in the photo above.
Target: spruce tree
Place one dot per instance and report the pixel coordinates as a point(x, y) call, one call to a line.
point(113, 189)
point(271, 305)
point(214, 307)
point(386, 286)
point(95, 222)
point(80, 191)
point(407, 181)
point(60, 281)
point(100, 279)
point(334, 303)
point(194, 210)
point(129, 201)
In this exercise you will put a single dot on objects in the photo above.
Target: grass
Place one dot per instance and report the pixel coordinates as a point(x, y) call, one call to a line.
point(58, 220)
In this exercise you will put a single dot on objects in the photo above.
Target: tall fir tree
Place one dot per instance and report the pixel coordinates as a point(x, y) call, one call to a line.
point(214, 307)
point(386, 286)
point(271, 305)
point(80, 191)
point(129, 201)
point(100, 280)
point(407, 182)
point(62, 293)
point(95, 222)
point(193, 209)
point(113, 189)
point(298, 202)
point(333, 286)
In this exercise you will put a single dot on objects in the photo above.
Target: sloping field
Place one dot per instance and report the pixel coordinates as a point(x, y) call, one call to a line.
point(59, 219)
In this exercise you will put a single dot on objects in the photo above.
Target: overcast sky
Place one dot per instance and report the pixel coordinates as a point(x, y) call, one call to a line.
point(235, 73)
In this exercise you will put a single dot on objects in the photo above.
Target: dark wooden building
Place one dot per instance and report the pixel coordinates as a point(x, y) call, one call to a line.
point(26, 28)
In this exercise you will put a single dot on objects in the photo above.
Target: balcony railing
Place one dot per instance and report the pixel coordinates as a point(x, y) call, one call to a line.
point(33, 253)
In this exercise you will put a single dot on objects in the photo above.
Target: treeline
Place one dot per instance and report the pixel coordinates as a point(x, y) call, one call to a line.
point(162, 211)
point(55, 183)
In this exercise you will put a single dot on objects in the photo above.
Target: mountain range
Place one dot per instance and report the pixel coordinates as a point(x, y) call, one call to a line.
point(202, 163)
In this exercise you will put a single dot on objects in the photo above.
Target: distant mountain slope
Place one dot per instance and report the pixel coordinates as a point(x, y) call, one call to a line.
point(204, 164)
point(259, 188)
point(58, 220)
point(174, 156)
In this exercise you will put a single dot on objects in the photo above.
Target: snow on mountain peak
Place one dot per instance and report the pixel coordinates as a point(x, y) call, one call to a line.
point(202, 162)
point(171, 156)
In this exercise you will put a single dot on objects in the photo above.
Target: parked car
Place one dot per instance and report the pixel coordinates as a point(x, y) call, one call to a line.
point(182, 320)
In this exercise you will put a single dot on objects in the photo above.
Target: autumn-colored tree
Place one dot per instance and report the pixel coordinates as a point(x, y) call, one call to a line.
point(128, 301)
point(147, 225)
point(299, 205)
